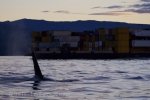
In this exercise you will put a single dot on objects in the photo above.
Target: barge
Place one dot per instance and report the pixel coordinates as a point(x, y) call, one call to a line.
point(98, 44)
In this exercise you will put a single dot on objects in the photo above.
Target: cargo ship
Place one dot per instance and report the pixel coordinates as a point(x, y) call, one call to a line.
point(98, 44)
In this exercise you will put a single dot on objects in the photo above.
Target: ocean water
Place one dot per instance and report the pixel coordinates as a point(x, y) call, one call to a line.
point(119, 79)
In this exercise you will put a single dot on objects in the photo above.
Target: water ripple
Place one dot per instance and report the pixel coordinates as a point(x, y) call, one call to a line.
point(98, 78)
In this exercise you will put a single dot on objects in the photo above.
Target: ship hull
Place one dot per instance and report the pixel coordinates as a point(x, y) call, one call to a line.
point(91, 55)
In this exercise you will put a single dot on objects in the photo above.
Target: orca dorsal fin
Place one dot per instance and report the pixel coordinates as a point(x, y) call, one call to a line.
point(37, 70)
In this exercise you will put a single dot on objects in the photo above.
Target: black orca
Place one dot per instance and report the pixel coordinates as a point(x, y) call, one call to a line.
point(38, 74)
point(37, 70)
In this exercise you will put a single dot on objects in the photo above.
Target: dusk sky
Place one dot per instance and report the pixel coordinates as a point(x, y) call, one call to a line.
point(131, 11)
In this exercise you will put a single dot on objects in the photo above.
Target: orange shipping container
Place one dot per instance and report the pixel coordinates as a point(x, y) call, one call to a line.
point(45, 39)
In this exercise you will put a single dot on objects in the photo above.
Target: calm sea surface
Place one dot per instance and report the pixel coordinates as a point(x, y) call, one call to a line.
point(97, 79)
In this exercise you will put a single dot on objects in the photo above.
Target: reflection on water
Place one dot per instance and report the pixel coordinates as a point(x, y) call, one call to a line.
point(36, 85)
point(75, 79)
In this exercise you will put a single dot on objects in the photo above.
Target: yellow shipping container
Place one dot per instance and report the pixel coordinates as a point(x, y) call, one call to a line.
point(122, 30)
point(87, 37)
point(122, 50)
point(93, 38)
point(44, 34)
point(102, 37)
point(86, 49)
point(109, 43)
point(122, 34)
point(122, 47)
point(46, 39)
point(92, 45)
point(34, 45)
point(113, 31)
point(36, 34)
point(122, 37)
point(123, 43)
point(102, 34)
point(101, 31)
point(86, 44)
point(36, 39)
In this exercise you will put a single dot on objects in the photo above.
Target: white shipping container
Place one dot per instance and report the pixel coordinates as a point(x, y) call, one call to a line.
point(90, 44)
point(54, 45)
point(67, 38)
point(62, 43)
point(90, 49)
point(73, 44)
point(141, 43)
point(43, 45)
point(74, 39)
point(61, 33)
point(142, 33)
point(98, 44)
point(49, 45)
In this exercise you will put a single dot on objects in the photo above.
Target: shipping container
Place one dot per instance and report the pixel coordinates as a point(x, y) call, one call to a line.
point(102, 34)
point(37, 39)
point(61, 33)
point(122, 46)
point(122, 30)
point(85, 44)
point(85, 49)
point(90, 44)
point(67, 38)
point(86, 37)
point(55, 50)
point(34, 45)
point(54, 45)
point(103, 31)
point(92, 38)
point(145, 33)
point(122, 37)
point(140, 43)
point(36, 34)
point(46, 39)
point(109, 44)
point(44, 34)
point(122, 50)
point(73, 49)
point(74, 44)
point(43, 45)
point(76, 33)
point(140, 50)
